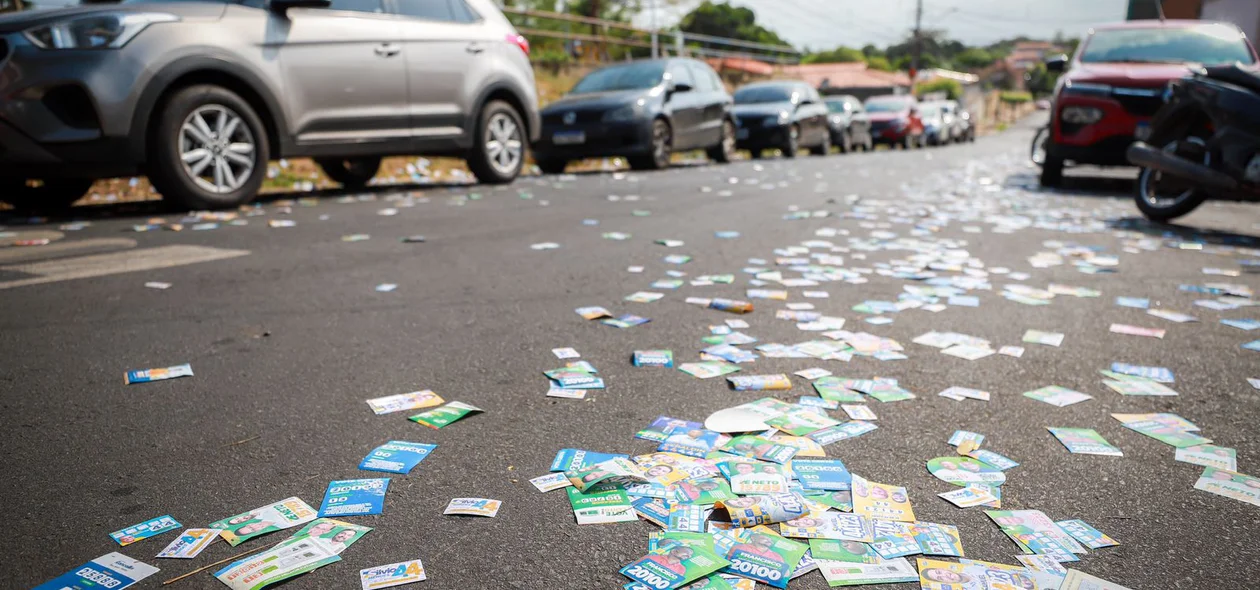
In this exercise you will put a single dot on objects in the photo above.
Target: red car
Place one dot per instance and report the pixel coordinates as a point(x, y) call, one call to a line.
point(1116, 83)
point(895, 120)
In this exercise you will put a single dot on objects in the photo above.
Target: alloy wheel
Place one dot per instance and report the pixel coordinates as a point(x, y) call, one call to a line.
point(504, 145)
point(217, 148)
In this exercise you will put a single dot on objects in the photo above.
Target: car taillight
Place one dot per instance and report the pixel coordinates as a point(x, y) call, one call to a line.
point(519, 41)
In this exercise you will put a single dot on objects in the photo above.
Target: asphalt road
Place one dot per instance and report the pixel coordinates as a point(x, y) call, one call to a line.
point(288, 341)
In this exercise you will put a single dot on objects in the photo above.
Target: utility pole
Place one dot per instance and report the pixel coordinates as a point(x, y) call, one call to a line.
point(917, 52)
point(656, 42)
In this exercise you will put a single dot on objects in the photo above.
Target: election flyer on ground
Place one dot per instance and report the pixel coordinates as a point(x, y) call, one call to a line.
point(1243, 488)
point(113, 571)
point(801, 421)
point(654, 358)
point(445, 415)
point(829, 525)
point(575, 459)
point(750, 511)
point(190, 543)
point(1209, 456)
point(756, 447)
point(877, 500)
point(822, 474)
point(292, 557)
point(1078, 580)
point(754, 477)
point(1085, 441)
point(662, 426)
point(405, 401)
point(766, 557)
point(885, 571)
point(972, 575)
point(1022, 525)
point(355, 497)
point(962, 471)
point(693, 442)
point(846, 551)
point(673, 564)
point(148, 375)
point(1087, 535)
point(1167, 434)
point(286, 513)
point(613, 471)
point(1058, 396)
point(396, 456)
point(550, 482)
point(473, 507)
point(601, 505)
point(760, 382)
point(394, 574)
point(144, 530)
point(334, 535)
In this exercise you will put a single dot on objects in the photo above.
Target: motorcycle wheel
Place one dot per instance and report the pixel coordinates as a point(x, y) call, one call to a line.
point(1162, 197)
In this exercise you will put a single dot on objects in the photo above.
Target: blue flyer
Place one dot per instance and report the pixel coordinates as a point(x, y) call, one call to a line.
point(354, 497)
point(1157, 374)
point(822, 474)
point(396, 456)
point(114, 571)
point(144, 530)
point(654, 358)
point(575, 459)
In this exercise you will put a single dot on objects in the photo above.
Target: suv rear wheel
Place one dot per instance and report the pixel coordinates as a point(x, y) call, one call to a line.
point(662, 149)
point(350, 172)
point(724, 151)
point(51, 196)
point(499, 148)
point(210, 149)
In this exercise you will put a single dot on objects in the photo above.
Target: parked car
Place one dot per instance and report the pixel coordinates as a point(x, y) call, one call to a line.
point(643, 110)
point(895, 120)
point(200, 95)
point(938, 128)
point(850, 127)
point(786, 115)
point(966, 125)
point(1115, 83)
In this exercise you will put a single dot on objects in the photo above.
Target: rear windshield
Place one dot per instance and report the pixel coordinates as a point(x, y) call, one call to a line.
point(634, 76)
point(886, 106)
point(835, 106)
point(764, 94)
point(1203, 44)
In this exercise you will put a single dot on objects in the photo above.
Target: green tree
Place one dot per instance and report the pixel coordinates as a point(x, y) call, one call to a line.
point(973, 58)
point(724, 20)
point(879, 62)
point(840, 54)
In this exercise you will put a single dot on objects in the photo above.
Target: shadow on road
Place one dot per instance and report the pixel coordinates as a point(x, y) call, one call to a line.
point(1186, 232)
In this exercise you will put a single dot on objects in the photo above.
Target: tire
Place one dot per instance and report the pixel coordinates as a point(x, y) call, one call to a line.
point(824, 149)
point(53, 196)
point(1037, 151)
point(724, 151)
point(908, 143)
point(1052, 172)
point(869, 146)
point(845, 143)
point(350, 172)
point(793, 143)
point(498, 152)
point(549, 166)
point(1163, 214)
point(236, 164)
point(662, 148)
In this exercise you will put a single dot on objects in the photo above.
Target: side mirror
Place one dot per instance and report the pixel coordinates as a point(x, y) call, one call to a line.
point(283, 6)
point(682, 87)
point(1057, 63)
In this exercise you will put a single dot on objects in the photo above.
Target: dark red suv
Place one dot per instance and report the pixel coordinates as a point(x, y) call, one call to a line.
point(1116, 82)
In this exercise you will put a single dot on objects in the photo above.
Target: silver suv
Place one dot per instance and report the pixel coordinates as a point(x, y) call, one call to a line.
point(199, 95)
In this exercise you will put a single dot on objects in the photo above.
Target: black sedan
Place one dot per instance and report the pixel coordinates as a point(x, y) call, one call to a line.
point(782, 115)
point(850, 127)
point(642, 110)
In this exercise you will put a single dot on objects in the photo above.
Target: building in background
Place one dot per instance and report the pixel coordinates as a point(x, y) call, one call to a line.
point(1244, 13)
point(853, 78)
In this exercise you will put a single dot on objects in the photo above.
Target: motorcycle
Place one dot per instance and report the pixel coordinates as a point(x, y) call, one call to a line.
point(1204, 144)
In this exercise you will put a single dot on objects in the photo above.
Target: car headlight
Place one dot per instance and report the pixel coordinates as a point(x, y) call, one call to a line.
point(1087, 89)
point(781, 119)
point(109, 30)
point(623, 114)
point(1081, 115)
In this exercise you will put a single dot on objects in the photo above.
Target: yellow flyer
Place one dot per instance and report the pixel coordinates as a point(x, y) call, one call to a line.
point(881, 501)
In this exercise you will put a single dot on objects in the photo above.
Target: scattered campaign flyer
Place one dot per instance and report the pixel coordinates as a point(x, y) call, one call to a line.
point(1230, 484)
point(1137, 331)
point(576, 459)
point(881, 501)
point(190, 543)
point(662, 426)
point(991, 458)
point(970, 574)
point(473, 507)
point(964, 471)
point(673, 564)
point(766, 557)
point(750, 511)
point(1047, 572)
point(654, 358)
point(846, 551)
point(415, 400)
point(708, 369)
point(859, 412)
point(844, 431)
point(754, 477)
point(834, 389)
point(687, 518)
point(972, 495)
point(113, 571)
point(1137, 386)
point(1078, 580)
point(962, 436)
point(1167, 434)
point(394, 574)
point(802, 421)
point(445, 415)
point(894, 539)
point(148, 375)
point(601, 505)
point(289, 512)
point(1158, 374)
point(760, 382)
point(593, 313)
point(566, 353)
point(1047, 338)
point(961, 393)
point(144, 530)
point(355, 497)
point(822, 474)
point(617, 471)
point(693, 442)
point(812, 374)
point(884, 571)
point(396, 456)
point(550, 482)
point(295, 556)
point(1087, 535)
point(937, 539)
point(1172, 316)
point(334, 535)
point(1036, 533)
point(1057, 396)
point(1084, 441)
point(829, 525)
point(756, 447)
point(1209, 456)
point(575, 378)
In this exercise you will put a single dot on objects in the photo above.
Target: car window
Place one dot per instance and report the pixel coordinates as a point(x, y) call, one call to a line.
point(439, 10)
point(631, 76)
point(1209, 44)
point(357, 5)
point(680, 74)
point(699, 73)
point(717, 81)
point(857, 106)
point(764, 94)
point(463, 12)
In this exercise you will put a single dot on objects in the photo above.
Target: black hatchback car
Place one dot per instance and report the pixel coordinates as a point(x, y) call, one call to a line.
point(643, 110)
point(785, 115)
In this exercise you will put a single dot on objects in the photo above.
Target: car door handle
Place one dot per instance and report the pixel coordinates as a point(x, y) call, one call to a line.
point(474, 48)
point(388, 49)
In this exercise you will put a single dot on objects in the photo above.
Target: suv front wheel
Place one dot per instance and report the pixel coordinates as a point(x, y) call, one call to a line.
point(210, 150)
point(499, 147)
point(350, 172)
point(50, 196)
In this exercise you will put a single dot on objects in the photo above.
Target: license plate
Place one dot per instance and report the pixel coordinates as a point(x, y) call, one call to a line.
point(1142, 132)
point(569, 138)
point(741, 134)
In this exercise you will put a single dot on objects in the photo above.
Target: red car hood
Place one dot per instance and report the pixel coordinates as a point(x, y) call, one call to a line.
point(1132, 75)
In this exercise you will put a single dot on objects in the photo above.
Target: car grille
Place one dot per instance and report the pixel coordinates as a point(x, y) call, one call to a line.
point(877, 126)
point(752, 122)
point(582, 117)
point(1142, 102)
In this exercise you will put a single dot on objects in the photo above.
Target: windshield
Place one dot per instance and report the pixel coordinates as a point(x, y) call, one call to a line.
point(763, 94)
point(886, 106)
point(835, 106)
point(28, 5)
point(1204, 44)
point(929, 110)
point(634, 76)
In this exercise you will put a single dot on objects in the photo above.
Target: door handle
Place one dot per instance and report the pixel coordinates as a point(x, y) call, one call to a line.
point(474, 48)
point(388, 49)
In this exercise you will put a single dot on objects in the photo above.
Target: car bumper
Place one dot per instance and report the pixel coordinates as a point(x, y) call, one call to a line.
point(1106, 152)
point(748, 138)
point(598, 140)
point(1102, 143)
point(890, 135)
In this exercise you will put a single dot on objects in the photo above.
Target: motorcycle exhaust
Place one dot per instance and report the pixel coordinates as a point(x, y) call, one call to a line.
point(1141, 154)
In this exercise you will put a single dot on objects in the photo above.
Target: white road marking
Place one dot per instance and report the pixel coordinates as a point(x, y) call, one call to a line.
point(82, 267)
point(21, 254)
